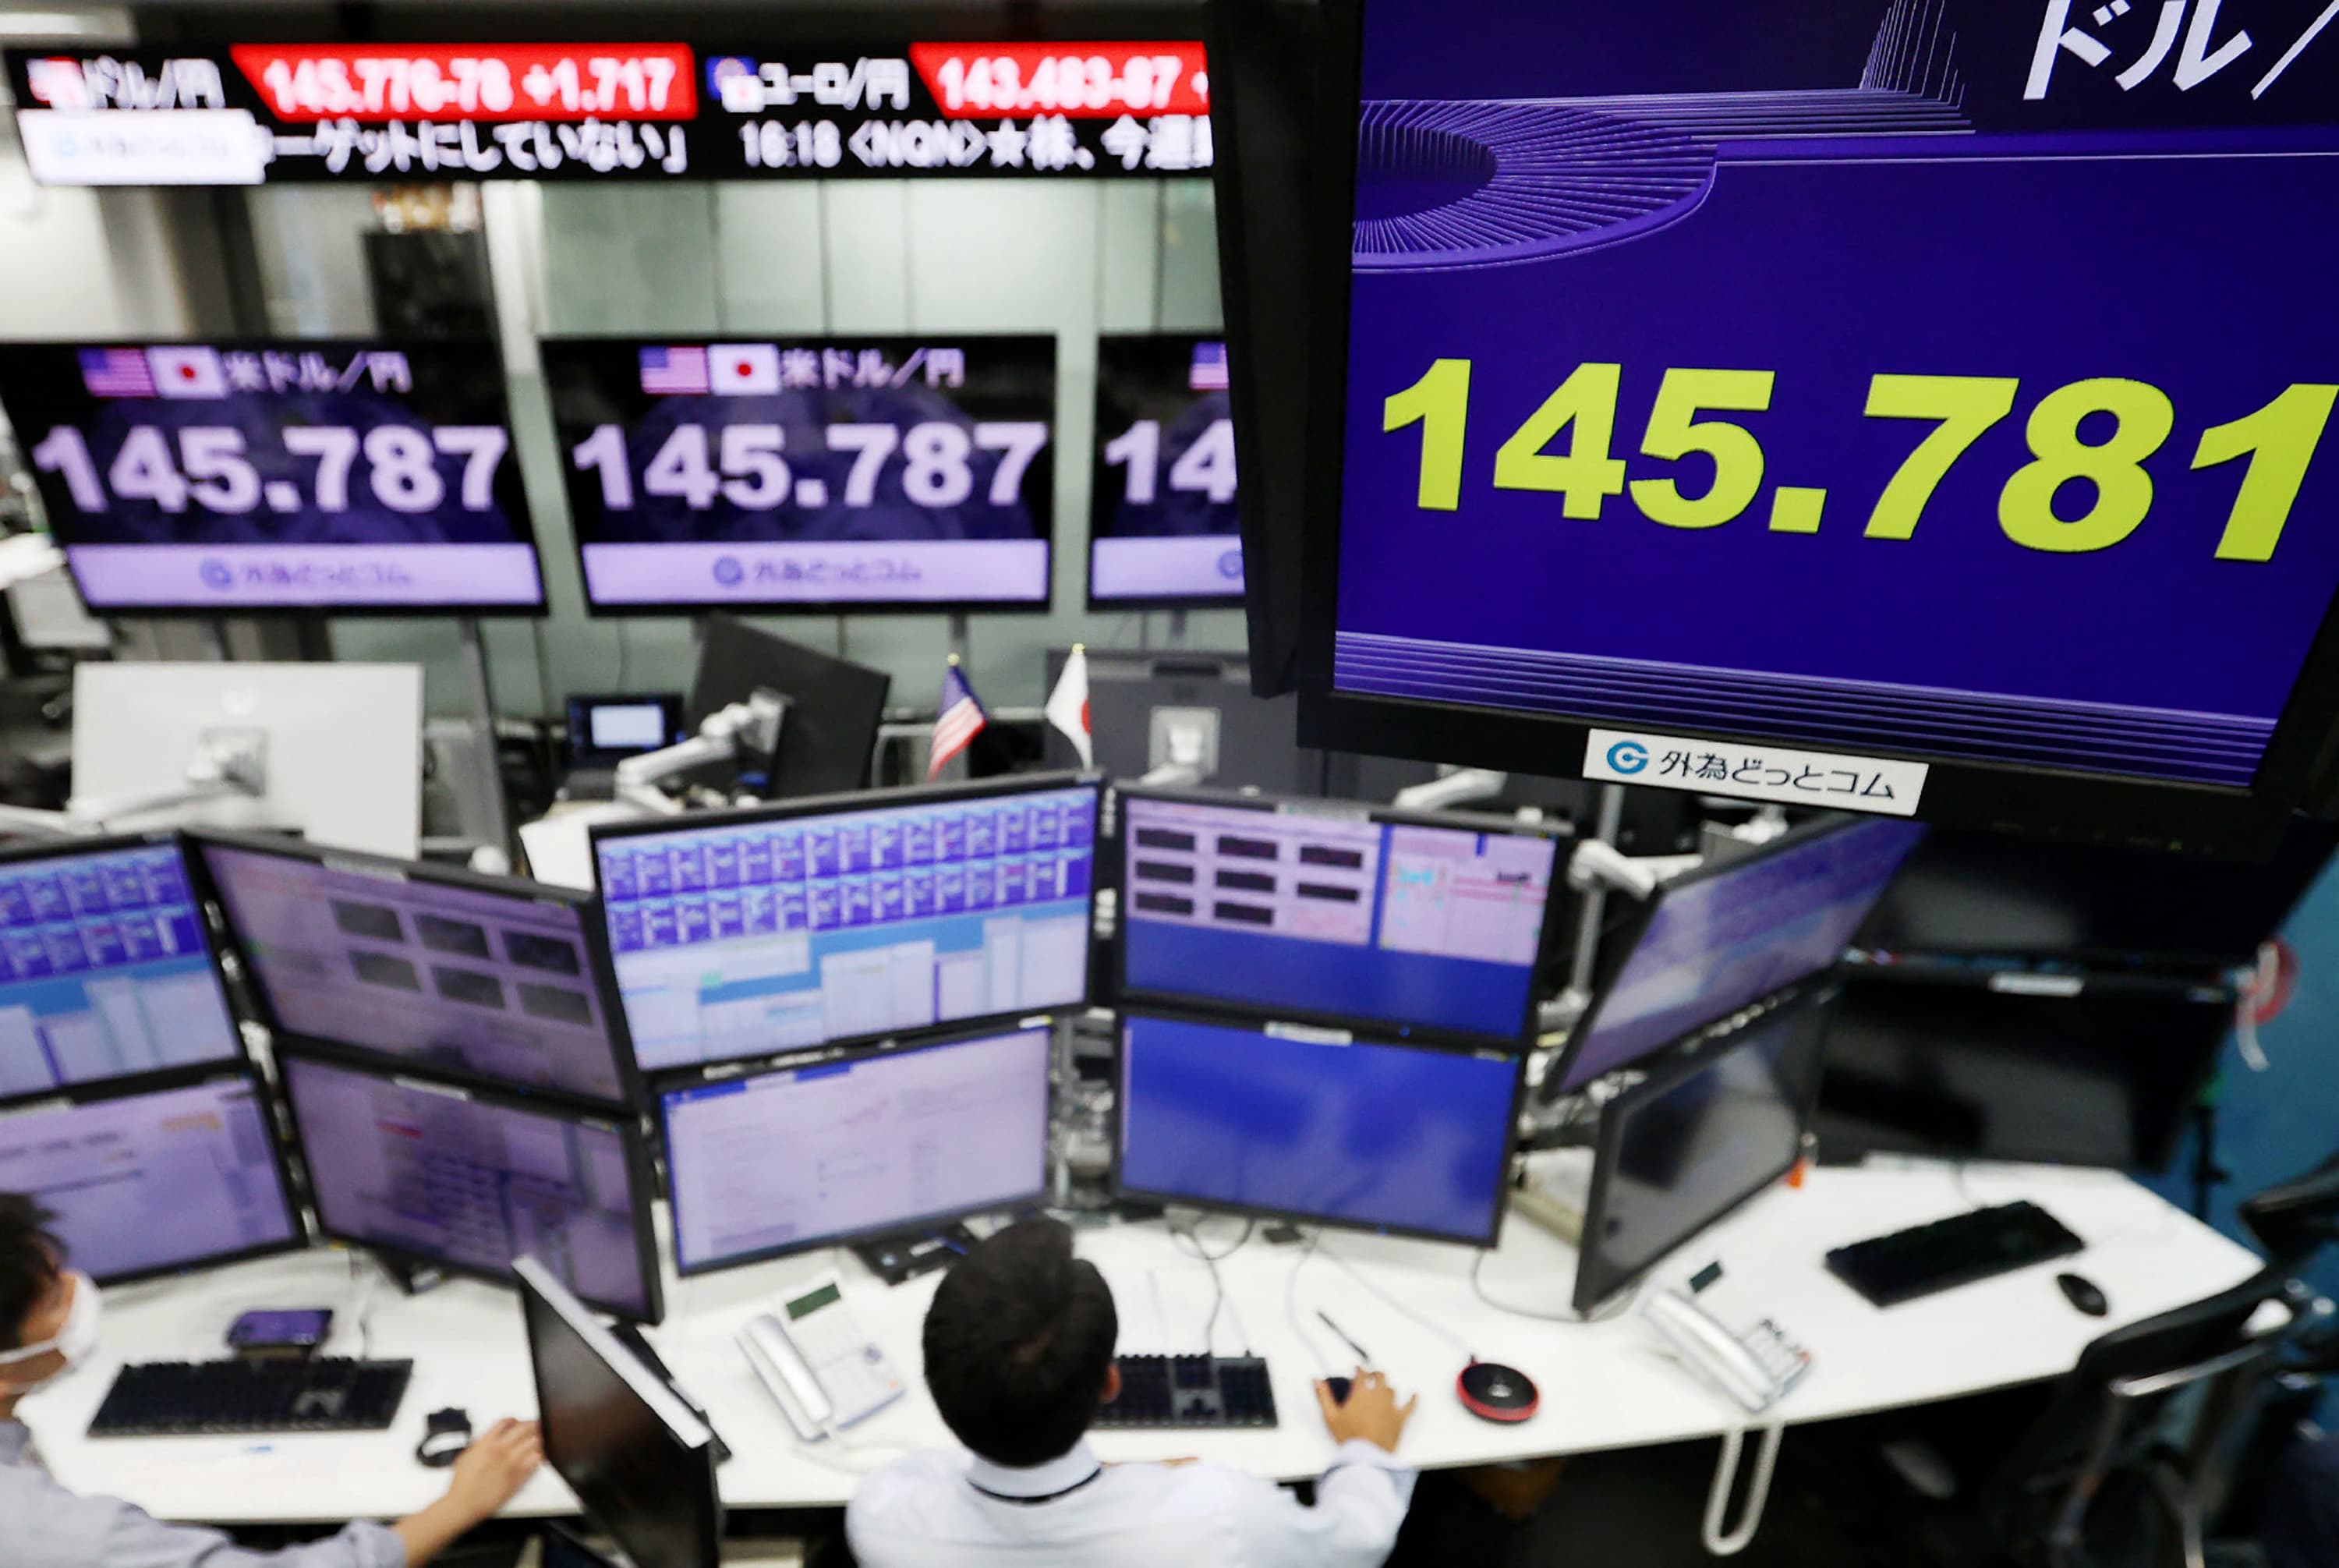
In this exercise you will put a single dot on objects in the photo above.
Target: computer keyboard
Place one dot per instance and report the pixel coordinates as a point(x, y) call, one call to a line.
point(199, 1398)
point(1192, 1391)
point(1947, 1253)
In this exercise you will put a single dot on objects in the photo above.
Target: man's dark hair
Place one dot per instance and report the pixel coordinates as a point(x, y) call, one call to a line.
point(29, 1251)
point(1018, 1344)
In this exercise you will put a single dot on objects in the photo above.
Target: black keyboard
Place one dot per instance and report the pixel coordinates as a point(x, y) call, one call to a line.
point(1192, 1391)
point(199, 1398)
point(1947, 1253)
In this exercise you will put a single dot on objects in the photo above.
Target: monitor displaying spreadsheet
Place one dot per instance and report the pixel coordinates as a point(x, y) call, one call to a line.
point(1312, 910)
point(857, 1145)
point(465, 1181)
point(750, 933)
point(106, 970)
point(156, 1181)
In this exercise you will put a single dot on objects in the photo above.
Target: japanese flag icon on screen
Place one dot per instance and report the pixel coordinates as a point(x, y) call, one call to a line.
point(743, 370)
point(187, 373)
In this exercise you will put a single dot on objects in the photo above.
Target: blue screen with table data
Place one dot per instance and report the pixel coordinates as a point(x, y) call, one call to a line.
point(104, 971)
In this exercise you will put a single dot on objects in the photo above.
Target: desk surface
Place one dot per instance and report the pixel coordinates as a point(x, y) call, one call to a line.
point(1604, 1385)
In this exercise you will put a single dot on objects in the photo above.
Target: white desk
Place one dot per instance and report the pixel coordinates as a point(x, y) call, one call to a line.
point(1604, 1385)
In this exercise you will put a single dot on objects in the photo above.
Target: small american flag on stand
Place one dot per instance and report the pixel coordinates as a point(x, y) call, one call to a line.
point(960, 721)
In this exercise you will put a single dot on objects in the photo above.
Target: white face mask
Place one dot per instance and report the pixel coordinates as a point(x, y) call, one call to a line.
point(75, 1341)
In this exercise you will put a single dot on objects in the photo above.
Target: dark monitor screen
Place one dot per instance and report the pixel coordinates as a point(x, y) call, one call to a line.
point(1312, 910)
point(1682, 1149)
point(857, 1145)
point(1961, 1072)
point(641, 1463)
point(156, 1181)
point(1979, 892)
point(1716, 940)
point(1399, 1137)
point(755, 932)
point(835, 705)
point(106, 969)
point(491, 979)
point(429, 1171)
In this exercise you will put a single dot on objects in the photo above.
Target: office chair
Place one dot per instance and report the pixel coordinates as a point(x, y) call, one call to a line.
point(2297, 1218)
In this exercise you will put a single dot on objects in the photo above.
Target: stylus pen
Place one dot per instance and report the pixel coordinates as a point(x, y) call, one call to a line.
point(1364, 1357)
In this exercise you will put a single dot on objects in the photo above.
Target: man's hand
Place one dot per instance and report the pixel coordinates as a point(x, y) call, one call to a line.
point(493, 1469)
point(1371, 1411)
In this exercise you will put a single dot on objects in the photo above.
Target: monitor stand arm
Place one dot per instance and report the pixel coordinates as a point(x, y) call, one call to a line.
point(1456, 788)
point(742, 731)
point(27, 822)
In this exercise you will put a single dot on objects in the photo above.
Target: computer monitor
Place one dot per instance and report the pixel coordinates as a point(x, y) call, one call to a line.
point(829, 738)
point(606, 729)
point(1147, 709)
point(489, 980)
point(1993, 895)
point(442, 1177)
point(106, 970)
point(640, 1461)
point(1162, 527)
point(1425, 925)
point(295, 474)
point(2106, 1073)
point(1713, 940)
point(1313, 1125)
point(330, 752)
point(1705, 1131)
point(820, 475)
point(855, 1145)
point(748, 933)
point(153, 1181)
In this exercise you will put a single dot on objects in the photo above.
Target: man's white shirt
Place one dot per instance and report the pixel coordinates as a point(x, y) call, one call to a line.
point(947, 1509)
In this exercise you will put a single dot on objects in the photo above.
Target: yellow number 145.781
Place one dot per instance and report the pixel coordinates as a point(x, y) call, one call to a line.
point(2279, 439)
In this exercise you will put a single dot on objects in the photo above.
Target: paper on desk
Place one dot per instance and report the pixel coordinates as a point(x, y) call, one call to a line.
point(1144, 1324)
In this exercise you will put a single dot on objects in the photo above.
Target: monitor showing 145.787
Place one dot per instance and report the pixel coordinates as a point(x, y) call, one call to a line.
point(1302, 912)
point(759, 934)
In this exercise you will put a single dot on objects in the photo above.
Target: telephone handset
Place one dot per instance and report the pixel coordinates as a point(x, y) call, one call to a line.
point(1756, 1368)
point(823, 1371)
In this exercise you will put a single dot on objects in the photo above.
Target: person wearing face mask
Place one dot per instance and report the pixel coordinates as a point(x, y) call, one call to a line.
point(49, 1325)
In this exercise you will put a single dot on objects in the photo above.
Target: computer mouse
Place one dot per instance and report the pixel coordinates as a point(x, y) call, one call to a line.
point(1339, 1388)
point(2084, 1294)
point(1494, 1392)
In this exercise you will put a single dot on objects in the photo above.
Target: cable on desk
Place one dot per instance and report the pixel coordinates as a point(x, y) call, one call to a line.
point(1218, 1287)
point(366, 1285)
point(1623, 1301)
point(1291, 1307)
point(1390, 1301)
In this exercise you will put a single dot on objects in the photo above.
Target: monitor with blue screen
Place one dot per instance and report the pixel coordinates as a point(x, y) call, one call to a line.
point(460, 1179)
point(151, 1182)
point(106, 970)
point(1415, 924)
point(1717, 939)
point(857, 1145)
point(749, 934)
point(1407, 1138)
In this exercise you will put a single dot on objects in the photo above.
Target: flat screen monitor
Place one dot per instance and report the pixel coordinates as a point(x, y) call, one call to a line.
point(829, 738)
point(1162, 525)
point(604, 730)
point(749, 934)
point(107, 969)
point(488, 979)
point(1713, 940)
point(1578, 485)
point(147, 1181)
point(230, 478)
point(1980, 893)
point(857, 1145)
point(1409, 1139)
point(641, 1462)
point(468, 1180)
point(809, 475)
point(1143, 707)
point(2106, 1075)
point(332, 752)
point(1416, 924)
point(1699, 1137)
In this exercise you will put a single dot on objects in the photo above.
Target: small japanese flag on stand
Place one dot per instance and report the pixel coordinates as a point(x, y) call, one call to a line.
point(962, 719)
point(1068, 704)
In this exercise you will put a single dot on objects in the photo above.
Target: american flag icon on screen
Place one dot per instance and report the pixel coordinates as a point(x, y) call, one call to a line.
point(1209, 371)
point(671, 372)
point(116, 373)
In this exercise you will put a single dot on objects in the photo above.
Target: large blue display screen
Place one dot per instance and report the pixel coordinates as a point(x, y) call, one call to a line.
point(1930, 376)
point(1386, 1136)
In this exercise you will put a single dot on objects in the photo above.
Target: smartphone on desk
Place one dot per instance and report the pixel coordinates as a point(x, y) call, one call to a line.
point(825, 1372)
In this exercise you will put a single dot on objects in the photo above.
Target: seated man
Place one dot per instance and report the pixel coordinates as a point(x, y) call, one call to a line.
point(1019, 1357)
point(48, 1325)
